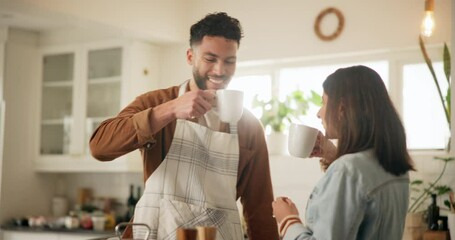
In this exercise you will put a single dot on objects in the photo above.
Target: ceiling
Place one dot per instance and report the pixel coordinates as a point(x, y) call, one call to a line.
point(152, 20)
point(32, 22)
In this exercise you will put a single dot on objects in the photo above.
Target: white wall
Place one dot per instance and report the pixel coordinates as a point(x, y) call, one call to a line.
point(174, 68)
point(3, 37)
point(23, 191)
point(107, 185)
point(278, 30)
point(282, 29)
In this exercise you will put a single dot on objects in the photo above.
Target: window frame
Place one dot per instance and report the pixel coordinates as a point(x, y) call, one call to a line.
point(396, 59)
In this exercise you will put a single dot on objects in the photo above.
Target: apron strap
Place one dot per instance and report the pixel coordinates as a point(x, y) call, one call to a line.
point(182, 88)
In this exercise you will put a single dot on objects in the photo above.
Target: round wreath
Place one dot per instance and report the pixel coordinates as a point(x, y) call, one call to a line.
point(319, 18)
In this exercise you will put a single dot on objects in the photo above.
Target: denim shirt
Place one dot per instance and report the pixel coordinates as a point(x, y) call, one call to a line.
point(356, 199)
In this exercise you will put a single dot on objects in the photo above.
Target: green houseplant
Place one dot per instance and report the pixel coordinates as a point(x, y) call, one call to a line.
point(422, 190)
point(445, 98)
point(425, 189)
point(277, 114)
point(418, 186)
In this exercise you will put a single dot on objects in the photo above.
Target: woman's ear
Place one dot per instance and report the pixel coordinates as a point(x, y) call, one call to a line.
point(341, 111)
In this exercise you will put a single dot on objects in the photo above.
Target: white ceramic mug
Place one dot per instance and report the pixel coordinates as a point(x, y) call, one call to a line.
point(301, 140)
point(229, 105)
point(98, 223)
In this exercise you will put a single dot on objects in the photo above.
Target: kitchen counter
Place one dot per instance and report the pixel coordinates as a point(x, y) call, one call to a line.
point(58, 230)
point(39, 233)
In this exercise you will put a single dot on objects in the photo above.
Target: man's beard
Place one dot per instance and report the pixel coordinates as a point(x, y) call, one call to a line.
point(201, 81)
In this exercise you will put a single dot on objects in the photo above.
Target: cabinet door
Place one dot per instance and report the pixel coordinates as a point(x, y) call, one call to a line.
point(57, 103)
point(104, 77)
point(13, 235)
point(83, 85)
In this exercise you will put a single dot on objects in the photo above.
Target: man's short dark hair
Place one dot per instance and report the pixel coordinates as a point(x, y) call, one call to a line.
point(218, 25)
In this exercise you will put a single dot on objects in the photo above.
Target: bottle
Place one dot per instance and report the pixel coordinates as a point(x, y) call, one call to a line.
point(130, 204)
point(433, 214)
point(138, 194)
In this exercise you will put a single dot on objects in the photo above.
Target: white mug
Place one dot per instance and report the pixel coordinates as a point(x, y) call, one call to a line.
point(98, 223)
point(229, 105)
point(301, 140)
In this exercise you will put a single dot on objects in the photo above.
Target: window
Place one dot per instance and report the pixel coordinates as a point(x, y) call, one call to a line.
point(253, 85)
point(311, 78)
point(423, 114)
point(405, 75)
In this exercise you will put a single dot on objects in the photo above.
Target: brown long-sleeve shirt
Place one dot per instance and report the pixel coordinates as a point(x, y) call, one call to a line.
point(131, 130)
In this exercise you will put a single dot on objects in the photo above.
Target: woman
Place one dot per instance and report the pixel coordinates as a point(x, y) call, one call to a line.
point(364, 193)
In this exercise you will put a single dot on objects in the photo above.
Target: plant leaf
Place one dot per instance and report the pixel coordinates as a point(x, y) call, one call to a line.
point(433, 74)
point(279, 114)
point(448, 102)
point(316, 99)
point(442, 189)
point(445, 159)
point(447, 62)
point(416, 182)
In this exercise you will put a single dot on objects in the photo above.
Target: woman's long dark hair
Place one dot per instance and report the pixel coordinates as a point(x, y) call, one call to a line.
point(368, 118)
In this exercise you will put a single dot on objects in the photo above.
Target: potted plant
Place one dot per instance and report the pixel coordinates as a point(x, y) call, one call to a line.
point(425, 189)
point(420, 190)
point(415, 219)
point(278, 114)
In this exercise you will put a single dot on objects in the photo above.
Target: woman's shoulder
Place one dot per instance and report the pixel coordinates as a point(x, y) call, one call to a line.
point(364, 166)
point(354, 162)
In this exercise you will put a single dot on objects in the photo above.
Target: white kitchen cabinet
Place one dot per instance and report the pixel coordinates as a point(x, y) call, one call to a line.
point(82, 85)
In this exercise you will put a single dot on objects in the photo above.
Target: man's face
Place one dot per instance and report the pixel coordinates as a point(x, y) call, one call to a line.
point(214, 61)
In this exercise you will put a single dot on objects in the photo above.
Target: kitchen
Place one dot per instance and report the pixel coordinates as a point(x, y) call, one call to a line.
point(154, 34)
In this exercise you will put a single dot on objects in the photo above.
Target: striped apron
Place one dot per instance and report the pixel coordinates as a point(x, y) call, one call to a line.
point(195, 185)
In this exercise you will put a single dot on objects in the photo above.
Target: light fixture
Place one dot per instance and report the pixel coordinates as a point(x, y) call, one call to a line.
point(428, 20)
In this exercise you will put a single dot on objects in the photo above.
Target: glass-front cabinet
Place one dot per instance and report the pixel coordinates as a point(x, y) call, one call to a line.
point(57, 103)
point(104, 77)
point(81, 87)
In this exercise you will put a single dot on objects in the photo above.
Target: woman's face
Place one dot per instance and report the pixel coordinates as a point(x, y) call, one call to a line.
point(329, 132)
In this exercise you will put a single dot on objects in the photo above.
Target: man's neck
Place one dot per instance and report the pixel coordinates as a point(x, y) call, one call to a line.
point(193, 86)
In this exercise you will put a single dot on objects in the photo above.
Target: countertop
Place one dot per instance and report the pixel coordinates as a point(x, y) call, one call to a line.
point(57, 230)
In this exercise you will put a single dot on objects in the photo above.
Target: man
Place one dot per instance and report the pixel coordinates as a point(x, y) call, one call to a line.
point(196, 166)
